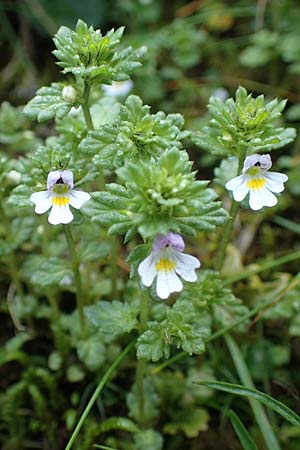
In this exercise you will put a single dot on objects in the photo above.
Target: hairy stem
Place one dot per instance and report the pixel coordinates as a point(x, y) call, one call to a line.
point(86, 108)
point(77, 278)
point(142, 365)
point(230, 224)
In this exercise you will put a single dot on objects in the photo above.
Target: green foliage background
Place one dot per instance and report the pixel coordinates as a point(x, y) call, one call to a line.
point(178, 55)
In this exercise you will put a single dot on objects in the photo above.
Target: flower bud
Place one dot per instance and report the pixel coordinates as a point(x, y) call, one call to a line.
point(69, 94)
point(13, 177)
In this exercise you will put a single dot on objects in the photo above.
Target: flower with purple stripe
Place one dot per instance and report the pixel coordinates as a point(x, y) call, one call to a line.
point(258, 182)
point(59, 197)
point(165, 263)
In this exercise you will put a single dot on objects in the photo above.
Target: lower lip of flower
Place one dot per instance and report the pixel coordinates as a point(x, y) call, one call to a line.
point(60, 201)
point(165, 265)
point(256, 183)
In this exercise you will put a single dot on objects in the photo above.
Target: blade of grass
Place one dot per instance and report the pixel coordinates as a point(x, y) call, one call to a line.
point(266, 399)
point(95, 395)
point(245, 439)
point(258, 411)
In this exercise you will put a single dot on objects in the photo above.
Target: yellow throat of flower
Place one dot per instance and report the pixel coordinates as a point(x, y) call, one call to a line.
point(256, 183)
point(165, 265)
point(60, 198)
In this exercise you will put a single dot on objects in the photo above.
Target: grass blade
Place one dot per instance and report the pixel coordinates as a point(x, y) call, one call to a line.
point(260, 414)
point(254, 394)
point(245, 439)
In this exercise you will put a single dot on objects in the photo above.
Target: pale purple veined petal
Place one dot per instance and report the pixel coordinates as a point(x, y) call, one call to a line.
point(53, 176)
point(250, 161)
point(186, 266)
point(170, 239)
point(147, 271)
point(67, 177)
point(42, 201)
point(78, 198)
point(60, 214)
point(166, 283)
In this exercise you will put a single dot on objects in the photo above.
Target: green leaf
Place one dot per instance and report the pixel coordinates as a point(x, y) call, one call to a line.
point(190, 421)
point(136, 256)
point(245, 123)
point(135, 135)
point(118, 423)
point(183, 327)
point(113, 318)
point(48, 103)
point(243, 435)
point(50, 272)
point(148, 440)
point(209, 292)
point(157, 196)
point(86, 53)
point(92, 351)
point(251, 393)
point(151, 401)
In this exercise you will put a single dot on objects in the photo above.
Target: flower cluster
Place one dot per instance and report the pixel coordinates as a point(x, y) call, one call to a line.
point(258, 182)
point(165, 263)
point(59, 197)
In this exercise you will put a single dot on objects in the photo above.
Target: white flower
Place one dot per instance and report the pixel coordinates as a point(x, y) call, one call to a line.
point(166, 262)
point(59, 197)
point(256, 180)
point(117, 88)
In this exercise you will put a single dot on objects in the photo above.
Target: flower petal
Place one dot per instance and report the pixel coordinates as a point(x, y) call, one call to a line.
point(238, 186)
point(167, 282)
point(60, 214)
point(186, 266)
point(78, 198)
point(275, 181)
point(260, 198)
point(67, 176)
point(147, 271)
point(42, 201)
point(53, 176)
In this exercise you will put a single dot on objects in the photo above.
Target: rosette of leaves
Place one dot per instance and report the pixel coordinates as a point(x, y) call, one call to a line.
point(135, 134)
point(210, 293)
point(157, 196)
point(245, 124)
point(94, 57)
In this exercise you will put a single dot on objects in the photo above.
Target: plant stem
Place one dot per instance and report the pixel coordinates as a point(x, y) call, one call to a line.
point(86, 109)
point(77, 278)
point(234, 209)
point(141, 365)
point(258, 411)
point(114, 265)
point(96, 394)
